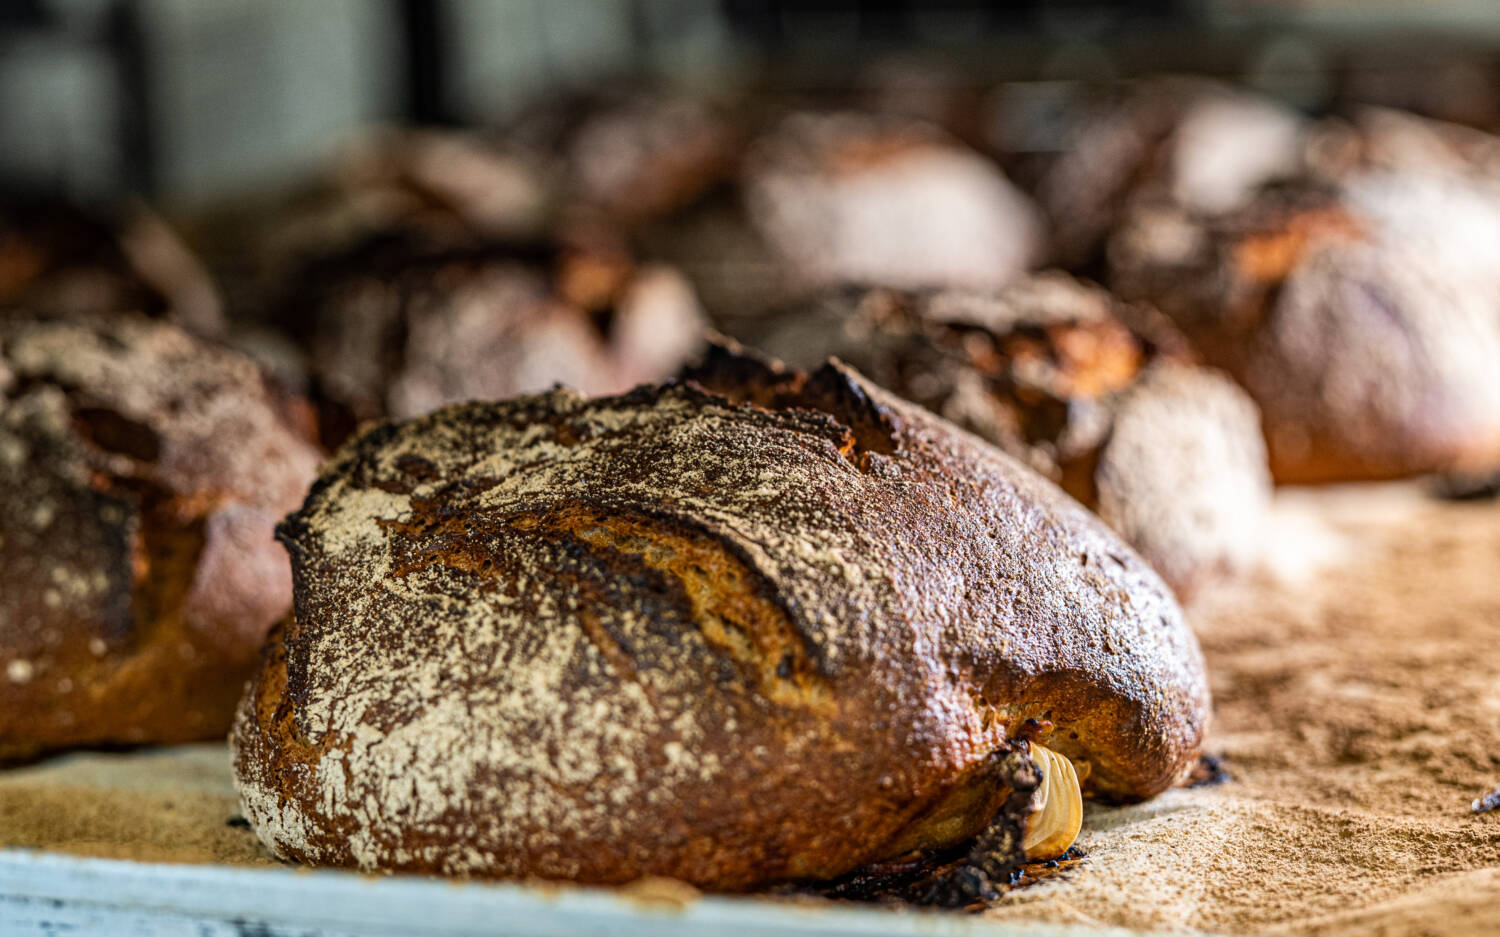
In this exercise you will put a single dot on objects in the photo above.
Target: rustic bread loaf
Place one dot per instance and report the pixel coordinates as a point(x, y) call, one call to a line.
point(1187, 141)
point(396, 329)
point(752, 627)
point(827, 198)
point(634, 156)
point(1101, 396)
point(848, 197)
point(1361, 316)
point(63, 258)
point(141, 476)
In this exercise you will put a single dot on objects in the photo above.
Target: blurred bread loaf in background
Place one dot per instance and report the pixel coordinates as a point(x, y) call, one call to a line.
point(143, 473)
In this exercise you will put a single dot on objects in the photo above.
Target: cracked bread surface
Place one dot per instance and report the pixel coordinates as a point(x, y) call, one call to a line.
point(748, 627)
point(1101, 396)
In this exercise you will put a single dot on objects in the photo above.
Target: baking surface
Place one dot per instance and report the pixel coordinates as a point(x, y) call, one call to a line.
point(1357, 705)
point(164, 805)
point(1357, 686)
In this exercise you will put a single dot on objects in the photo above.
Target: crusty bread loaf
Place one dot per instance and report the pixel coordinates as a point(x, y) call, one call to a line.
point(1360, 317)
point(635, 156)
point(1101, 396)
point(825, 199)
point(396, 329)
point(1182, 140)
point(141, 476)
point(849, 197)
point(752, 627)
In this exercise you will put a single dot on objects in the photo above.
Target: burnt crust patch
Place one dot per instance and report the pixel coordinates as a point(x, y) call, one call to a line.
point(735, 374)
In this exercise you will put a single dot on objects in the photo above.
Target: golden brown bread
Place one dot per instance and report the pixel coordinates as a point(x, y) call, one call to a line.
point(141, 476)
point(1101, 396)
point(752, 627)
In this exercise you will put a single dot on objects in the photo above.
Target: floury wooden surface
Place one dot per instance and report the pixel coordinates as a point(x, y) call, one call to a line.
point(1357, 705)
point(1357, 683)
point(163, 805)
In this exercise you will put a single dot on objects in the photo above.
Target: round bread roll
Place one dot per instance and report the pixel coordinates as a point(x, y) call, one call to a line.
point(1100, 396)
point(141, 476)
point(857, 198)
point(754, 627)
point(1361, 317)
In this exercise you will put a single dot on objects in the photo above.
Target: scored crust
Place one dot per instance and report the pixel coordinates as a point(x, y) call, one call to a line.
point(142, 473)
point(750, 627)
point(1101, 396)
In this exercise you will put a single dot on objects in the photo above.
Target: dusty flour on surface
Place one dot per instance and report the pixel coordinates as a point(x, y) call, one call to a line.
point(163, 805)
point(1358, 710)
point(1357, 706)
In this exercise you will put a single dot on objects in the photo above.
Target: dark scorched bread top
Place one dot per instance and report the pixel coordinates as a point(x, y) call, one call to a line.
point(676, 632)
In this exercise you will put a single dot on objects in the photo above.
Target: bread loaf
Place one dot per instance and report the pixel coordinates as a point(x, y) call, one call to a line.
point(752, 627)
point(854, 198)
point(1361, 317)
point(1101, 396)
point(397, 330)
point(141, 476)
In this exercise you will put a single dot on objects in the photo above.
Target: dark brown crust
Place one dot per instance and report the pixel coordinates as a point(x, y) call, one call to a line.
point(62, 259)
point(397, 329)
point(754, 627)
point(1369, 359)
point(1032, 368)
point(141, 475)
point(1101, 396)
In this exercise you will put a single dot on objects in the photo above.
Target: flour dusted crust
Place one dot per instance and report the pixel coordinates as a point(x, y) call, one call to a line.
point(752, 627)
point(1182, 475)
point(1101, 396)
point(142, 473)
